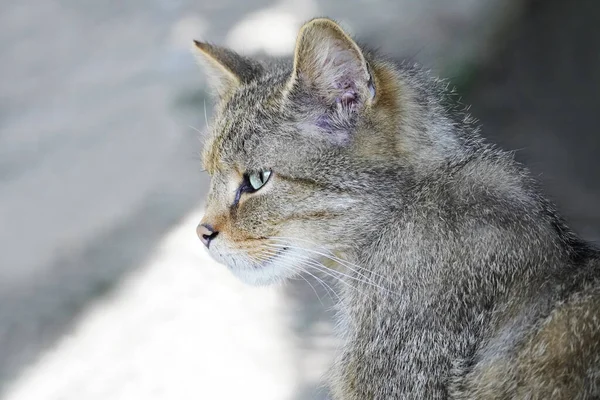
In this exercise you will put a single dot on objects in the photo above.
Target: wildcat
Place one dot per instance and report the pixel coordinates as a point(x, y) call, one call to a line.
point(457, 279)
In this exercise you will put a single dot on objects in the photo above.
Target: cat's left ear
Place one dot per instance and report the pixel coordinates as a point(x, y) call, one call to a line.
point(330, 64)
point(226, 69)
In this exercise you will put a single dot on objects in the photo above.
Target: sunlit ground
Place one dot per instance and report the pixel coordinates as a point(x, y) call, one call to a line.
point(181, 327)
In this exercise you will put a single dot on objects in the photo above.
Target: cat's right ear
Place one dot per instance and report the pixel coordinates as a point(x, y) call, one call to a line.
point(226, 70)
point(329, 64)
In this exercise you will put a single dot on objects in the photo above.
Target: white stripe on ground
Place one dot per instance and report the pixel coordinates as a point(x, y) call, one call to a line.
point(180, 327)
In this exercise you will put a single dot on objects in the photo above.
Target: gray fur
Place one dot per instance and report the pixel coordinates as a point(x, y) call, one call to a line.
point(466, 270)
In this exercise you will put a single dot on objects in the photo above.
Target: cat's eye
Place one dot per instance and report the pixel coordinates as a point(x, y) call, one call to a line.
point(258, 179)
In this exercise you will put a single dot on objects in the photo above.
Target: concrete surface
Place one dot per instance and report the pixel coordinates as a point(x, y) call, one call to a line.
point(180, 327)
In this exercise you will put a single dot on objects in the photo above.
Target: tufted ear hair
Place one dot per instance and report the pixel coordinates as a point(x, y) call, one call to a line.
point(331, 65)
point(226, 70)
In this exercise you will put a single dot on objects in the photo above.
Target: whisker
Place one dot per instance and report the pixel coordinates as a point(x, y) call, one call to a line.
point(196, 129)
point(302, 262)
point(352, 267)
point(262, 257)
point(205, 114)
point(330, 272)
point(320, 281)
point(333, 257)
point(325, 286)
point(313, 288)
point(364, 280)
point(320, 267)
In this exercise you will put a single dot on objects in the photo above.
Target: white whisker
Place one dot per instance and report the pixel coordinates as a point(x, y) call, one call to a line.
point(205, 114)
point(300, 263)
point(364, 280)
point(331, 256)
point(194, 128)
point(328, 271)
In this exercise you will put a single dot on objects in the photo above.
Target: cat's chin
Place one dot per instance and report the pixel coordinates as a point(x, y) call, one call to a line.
point(284, 265)
point(257, 277)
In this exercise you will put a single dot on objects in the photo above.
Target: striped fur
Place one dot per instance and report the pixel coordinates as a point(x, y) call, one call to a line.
point(460, 280)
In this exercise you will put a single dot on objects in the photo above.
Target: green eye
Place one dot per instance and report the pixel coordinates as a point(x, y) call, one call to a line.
point(258, 179)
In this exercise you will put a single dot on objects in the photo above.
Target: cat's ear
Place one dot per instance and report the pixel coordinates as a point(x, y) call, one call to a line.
point(226, 70)
point(330, 64)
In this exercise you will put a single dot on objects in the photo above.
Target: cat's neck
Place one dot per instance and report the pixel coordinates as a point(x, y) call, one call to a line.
point(443, 243)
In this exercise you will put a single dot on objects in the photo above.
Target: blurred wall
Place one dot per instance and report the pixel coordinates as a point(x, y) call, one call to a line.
point(540, 95)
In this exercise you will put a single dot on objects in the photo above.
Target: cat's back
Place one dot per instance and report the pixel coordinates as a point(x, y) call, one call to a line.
point(544, 344)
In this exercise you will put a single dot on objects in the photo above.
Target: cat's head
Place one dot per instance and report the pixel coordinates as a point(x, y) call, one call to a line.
point(300, 154)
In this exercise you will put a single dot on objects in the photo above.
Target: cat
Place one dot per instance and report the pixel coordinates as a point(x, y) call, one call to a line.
point(457, 278)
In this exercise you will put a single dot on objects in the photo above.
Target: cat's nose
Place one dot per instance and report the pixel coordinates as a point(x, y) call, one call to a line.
point(206, 233)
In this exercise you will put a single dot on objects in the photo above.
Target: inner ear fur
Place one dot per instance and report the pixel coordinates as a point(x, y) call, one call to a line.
point(329, 62)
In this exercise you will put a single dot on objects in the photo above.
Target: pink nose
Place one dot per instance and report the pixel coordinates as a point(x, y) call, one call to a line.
point(206, 233)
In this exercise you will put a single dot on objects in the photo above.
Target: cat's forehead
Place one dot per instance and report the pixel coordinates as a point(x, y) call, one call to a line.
point(250, 104)
point(242, 125)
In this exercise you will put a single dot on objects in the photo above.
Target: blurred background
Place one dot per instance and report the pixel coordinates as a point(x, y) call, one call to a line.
point(105, 291)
